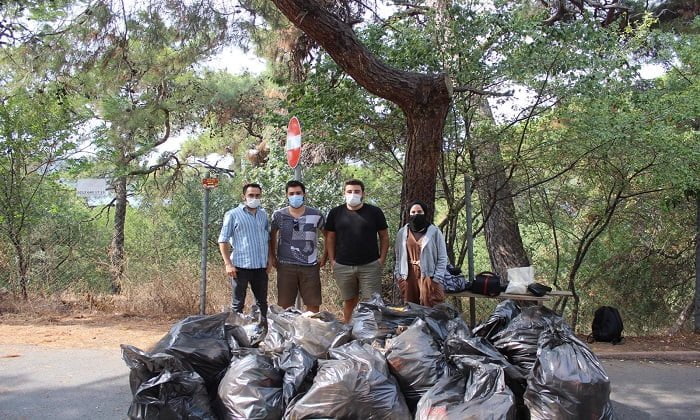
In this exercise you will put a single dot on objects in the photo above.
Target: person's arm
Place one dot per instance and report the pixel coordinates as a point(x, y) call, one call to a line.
point(224, 246)
point(383, 231)
point(225, 250)
point(383, 245)
point(324, 256)
point(397, 256)
point(271, 262)
point(330, 247)
point(441, 263)
point(329, 239)
point(273, 247)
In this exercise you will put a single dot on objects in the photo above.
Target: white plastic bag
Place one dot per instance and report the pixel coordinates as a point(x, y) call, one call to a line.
point(519, 278)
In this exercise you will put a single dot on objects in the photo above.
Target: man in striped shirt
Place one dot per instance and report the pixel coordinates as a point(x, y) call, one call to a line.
point(247, 230)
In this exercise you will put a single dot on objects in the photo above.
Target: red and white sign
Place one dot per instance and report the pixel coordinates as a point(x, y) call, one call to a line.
point(210, 183)
point(293, 146)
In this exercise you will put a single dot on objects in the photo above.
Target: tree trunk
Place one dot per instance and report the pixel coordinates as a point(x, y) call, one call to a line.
point(501, 230)
point(424, 98)
point(22, 268)
point(696, 327)
point(425, 127)
point(116, 249)
point(682, 317)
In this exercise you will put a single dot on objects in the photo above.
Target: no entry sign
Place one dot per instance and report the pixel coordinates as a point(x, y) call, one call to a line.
point(293, 146)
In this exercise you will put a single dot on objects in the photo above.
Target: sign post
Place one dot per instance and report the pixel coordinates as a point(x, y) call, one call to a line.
point(208, 183)
point(293, 148)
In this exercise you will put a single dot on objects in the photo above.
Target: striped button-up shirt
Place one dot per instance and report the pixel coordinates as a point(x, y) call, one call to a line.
point(249, 235)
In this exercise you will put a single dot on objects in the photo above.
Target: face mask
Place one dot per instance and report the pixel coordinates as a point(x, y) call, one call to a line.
point(353, 199)
point(253, 203)
point(296, 201)
point(417, 222)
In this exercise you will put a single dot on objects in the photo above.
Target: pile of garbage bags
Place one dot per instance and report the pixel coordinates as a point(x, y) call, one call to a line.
point(389, 363)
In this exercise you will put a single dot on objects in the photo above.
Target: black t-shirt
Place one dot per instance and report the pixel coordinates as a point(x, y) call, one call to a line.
point(356, 233)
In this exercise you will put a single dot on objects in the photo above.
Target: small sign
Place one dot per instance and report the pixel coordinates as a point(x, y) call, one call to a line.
point(293, 146)
point(210, 183)
point(92, 188)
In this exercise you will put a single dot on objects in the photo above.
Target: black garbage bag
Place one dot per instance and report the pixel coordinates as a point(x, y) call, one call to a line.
point(518, 341)
point(200, 341)
point(164, 387)
point(457, 331)
point(459, 343)
point(505, 311)
point(437, 318)
point(280, 327)
point(171, 396)
point(251, 388)
point(318, 332)
point(355, 384)
point(315, 332)
point(144, 365)
point(568, 381)
point(299, 369)
point(249, 330)
point(416, 361)
point(476, 390)
point(374, 320)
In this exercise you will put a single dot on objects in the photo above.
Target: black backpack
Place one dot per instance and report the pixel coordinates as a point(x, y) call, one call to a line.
point(607, 325)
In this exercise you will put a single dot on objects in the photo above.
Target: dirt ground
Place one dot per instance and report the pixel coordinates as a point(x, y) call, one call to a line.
point(94, 329)
point(82, 330)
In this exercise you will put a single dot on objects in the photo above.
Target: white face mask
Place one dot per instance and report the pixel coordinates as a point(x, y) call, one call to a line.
point(253, 203)
point(353, 199)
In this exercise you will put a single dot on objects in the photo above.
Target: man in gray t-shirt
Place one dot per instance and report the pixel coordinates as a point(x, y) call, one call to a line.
point(294, 238)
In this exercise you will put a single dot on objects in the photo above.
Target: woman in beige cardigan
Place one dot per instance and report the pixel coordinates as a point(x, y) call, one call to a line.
point(421, 258)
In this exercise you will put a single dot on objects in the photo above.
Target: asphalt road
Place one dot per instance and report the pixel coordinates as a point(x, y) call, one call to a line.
point(57, 384)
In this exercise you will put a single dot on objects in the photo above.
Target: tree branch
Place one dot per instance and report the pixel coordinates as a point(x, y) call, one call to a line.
point(477, 91)
point(406, 89)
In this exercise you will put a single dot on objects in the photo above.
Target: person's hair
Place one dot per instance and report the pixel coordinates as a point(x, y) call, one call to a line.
point(354, 182)
point(251, 185)
point(426, 209)
point(295, 183)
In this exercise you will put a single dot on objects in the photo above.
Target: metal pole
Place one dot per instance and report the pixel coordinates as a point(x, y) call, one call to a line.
point(470, 231)
point(205, 223)
point(298, 303)
point(470, 243)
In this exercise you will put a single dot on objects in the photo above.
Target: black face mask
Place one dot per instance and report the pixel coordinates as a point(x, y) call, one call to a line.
point(418, 223)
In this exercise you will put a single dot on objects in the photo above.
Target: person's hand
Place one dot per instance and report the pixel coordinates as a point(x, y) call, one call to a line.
point(332, 263)
point(270, 266)
point(273, 262)
point(231, 271)
point(322, 261)
point(381, 261)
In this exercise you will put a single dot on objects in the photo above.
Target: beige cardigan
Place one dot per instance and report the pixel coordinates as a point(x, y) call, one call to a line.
point(433, 255)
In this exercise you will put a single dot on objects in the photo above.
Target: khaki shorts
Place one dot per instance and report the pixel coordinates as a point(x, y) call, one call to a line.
point(362, 280)
point(304, 279)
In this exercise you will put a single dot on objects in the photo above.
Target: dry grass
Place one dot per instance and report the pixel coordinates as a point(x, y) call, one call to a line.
point(168, 295)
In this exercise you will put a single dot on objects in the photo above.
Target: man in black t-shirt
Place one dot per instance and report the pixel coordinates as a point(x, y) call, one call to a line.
point(351, 246)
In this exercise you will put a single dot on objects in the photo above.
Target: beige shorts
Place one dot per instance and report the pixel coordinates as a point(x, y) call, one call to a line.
point(358, 280)
point(298, 278)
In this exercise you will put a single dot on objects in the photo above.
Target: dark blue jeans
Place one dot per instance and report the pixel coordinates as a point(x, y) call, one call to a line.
point(257, 278)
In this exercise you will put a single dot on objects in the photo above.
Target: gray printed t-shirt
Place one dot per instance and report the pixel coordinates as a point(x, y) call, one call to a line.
point(297, 238)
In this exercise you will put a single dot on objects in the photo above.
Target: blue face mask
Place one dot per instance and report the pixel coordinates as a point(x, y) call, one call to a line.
point(296, 201)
